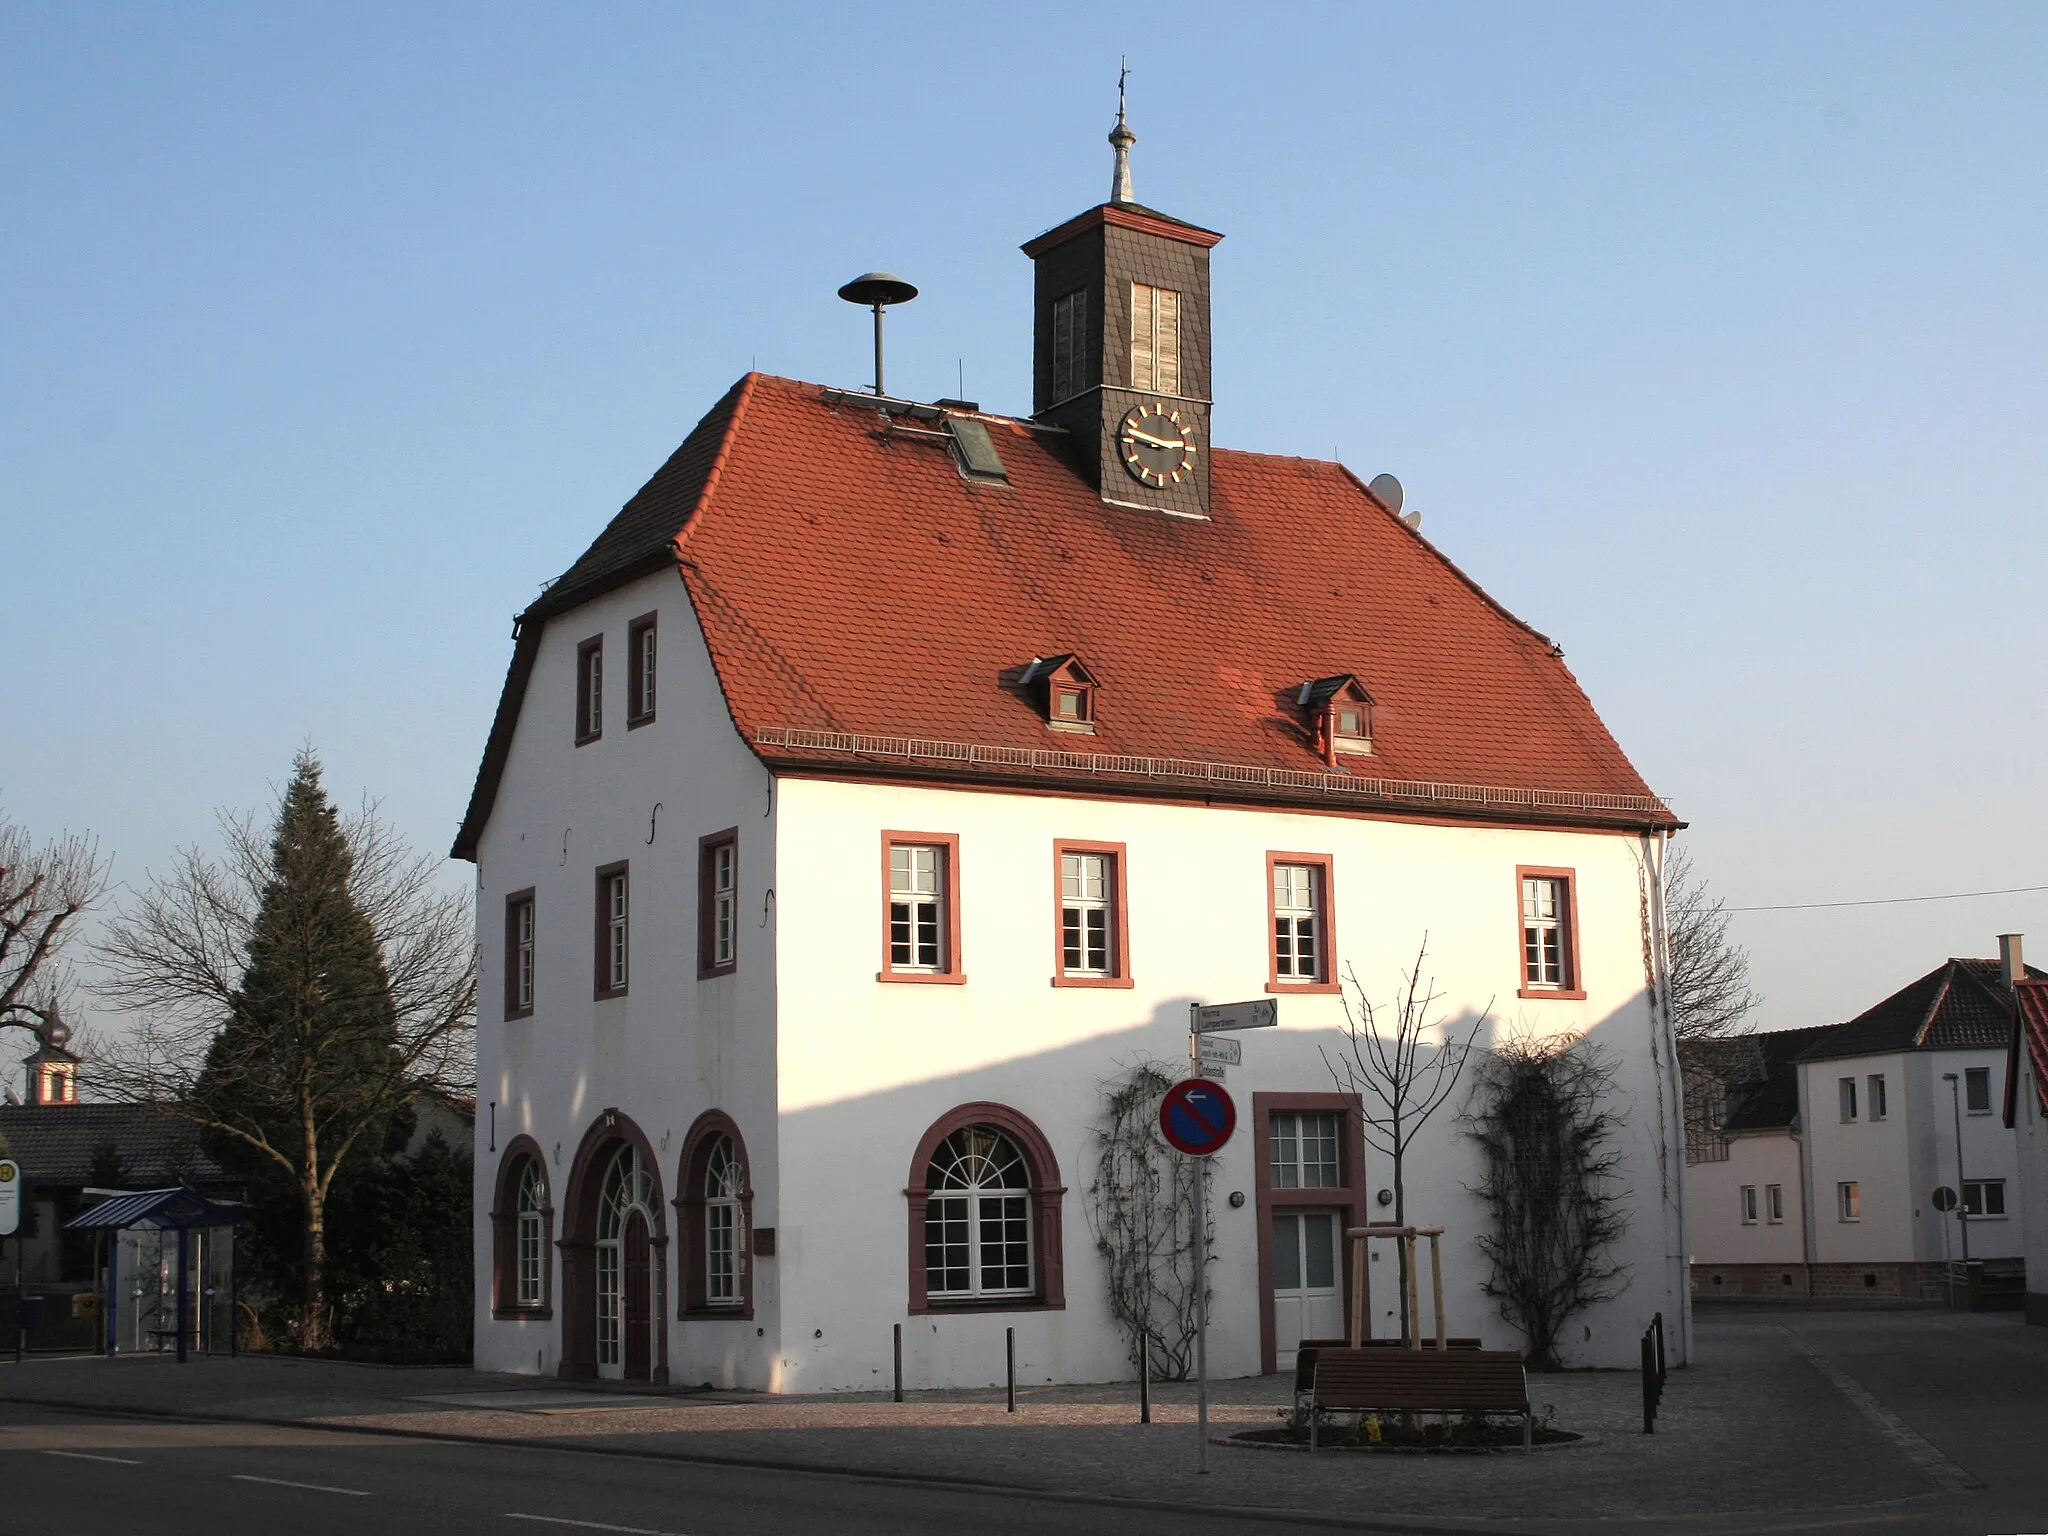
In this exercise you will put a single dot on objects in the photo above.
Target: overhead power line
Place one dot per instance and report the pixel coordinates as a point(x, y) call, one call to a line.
point(1890, 901)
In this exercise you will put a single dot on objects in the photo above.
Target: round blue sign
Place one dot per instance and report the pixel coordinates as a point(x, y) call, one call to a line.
point(1197, 1117)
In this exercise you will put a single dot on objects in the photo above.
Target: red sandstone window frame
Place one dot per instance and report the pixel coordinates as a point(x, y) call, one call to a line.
point(1118, 904)
point(692, 1239)
point(601, 956)
point(1047, 1193)
point(950, 972)
point(708, 963)
point(1325, 910)
point(589, 701)
point(1573, 988)
point(520, 1151)
point(515, 904)
point(642, 681)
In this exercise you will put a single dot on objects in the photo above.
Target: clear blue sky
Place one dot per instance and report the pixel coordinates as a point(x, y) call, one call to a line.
point(1709, 339)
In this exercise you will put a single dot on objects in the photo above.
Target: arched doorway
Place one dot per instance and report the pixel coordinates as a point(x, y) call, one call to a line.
point(625, 1233)
point(614, 1248)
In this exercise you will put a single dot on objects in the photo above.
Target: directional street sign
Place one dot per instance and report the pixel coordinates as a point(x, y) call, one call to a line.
point(1262, 1013)
point(1197, 1117)
point(10, 1197)
point(1215, 1052)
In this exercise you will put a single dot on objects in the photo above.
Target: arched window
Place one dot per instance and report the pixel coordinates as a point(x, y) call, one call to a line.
point(522, 1223)
point(985, 1214)
point(625, 1230)
point(714, 1215)
point(977, 1224)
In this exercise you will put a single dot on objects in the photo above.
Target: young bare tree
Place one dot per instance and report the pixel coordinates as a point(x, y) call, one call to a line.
point(1708, 984)
point(292, 995)
point(1404, 1065)
point(44, 890)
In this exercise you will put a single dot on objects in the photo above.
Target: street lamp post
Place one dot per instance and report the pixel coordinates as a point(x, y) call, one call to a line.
point(1955, 1105)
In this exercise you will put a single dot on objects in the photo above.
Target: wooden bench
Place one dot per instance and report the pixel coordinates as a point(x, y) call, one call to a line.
point(1419, 1381)
point(1305, 1356)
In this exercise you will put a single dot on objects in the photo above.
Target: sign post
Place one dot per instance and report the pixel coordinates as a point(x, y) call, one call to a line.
point(1197, 1118)
point(10, 1221)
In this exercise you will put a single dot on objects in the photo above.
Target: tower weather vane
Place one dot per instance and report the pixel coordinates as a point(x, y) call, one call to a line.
point(1121, 139)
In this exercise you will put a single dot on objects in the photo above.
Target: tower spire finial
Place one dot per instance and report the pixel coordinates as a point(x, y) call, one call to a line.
point(1121, 139)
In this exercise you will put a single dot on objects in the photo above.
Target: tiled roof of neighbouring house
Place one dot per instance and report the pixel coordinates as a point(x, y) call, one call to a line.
point(1960, 1004)
point(55, 1144)
point(2030, 1033)
point(1772, 1102)
point(869, 608)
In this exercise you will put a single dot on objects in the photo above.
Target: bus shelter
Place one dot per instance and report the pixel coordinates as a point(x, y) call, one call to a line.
point(176, 1250)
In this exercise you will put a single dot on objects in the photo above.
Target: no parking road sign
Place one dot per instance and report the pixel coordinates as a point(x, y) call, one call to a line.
point(1197, 1117)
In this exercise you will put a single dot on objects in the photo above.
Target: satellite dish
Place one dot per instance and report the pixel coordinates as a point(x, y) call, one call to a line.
point(1412, 520)
point(1388, 489)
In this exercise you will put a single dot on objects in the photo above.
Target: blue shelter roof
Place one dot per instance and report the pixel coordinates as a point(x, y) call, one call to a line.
point(164, 1209)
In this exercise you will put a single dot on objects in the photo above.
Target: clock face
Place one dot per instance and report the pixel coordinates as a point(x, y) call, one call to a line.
point(1157, 445)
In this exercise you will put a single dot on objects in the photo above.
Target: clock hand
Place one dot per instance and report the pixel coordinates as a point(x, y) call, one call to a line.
point(1156, 442)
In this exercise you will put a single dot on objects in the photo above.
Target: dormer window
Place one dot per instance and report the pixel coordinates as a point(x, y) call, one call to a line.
point(1340, 716)
point(1064, 690)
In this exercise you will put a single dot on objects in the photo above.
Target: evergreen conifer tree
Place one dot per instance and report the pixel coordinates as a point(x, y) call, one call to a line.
point(299, 1078)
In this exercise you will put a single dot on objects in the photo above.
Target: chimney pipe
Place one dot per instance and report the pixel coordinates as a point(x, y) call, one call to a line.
point(2011, 968)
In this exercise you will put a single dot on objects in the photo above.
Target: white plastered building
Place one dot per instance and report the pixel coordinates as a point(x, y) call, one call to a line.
point(888, 777)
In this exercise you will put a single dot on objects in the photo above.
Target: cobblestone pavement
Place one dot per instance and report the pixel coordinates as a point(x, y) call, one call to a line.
point(1841, 1420)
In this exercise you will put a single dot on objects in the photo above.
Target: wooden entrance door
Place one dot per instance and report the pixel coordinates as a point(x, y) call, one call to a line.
point(1306, 1301)
point(639, 1318)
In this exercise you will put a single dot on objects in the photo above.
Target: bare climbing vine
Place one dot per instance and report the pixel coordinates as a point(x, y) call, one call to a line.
point(1541, 1113)
point(1141, 1208)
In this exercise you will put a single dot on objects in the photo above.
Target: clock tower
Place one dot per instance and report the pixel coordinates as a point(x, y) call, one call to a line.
point(1120, 354)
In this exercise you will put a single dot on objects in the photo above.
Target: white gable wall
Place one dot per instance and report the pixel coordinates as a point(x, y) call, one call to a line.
point(1756, 1159)
point(673, 1047)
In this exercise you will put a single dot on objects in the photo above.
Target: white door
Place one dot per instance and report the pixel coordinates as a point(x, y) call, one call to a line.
point(1306, 1303)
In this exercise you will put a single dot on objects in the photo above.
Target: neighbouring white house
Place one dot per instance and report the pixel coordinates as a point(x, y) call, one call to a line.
point(2026, 1113)
point(1745, 1186)
point(1884, 1104)
point(888, 777)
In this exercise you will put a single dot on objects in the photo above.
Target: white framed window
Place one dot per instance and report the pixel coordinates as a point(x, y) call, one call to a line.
point(723, 1245)
point(522, 955)
point(1977, 1090)
point(718, 909)
point(641, 651)
point(615, 931)
point(1301, 1148)
point(530, 1249)
point(1087, 913)
point(917, 908)
point(1848, 1201)
point(1546, 933)
point(1749, 1205)
point(1155, 339)
point(977, 1223)
point(1297, 922)
point(1774, 1202)
point(1879, 1101)
point(1984, 1197)
point(1845, 1092)
point(590, 689)
point(1069, 344)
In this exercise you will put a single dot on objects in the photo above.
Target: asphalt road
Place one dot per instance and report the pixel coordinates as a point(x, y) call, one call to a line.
point(80, 1474)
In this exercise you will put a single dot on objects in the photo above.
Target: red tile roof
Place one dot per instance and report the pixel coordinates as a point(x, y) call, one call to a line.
point(2030, 1033)
point(851, 581)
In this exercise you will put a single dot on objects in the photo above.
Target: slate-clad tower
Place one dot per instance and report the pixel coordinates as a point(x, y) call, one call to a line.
point(1121, 346)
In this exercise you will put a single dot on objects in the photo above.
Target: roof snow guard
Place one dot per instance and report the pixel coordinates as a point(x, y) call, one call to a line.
point(1217, 776)
point(166, 1210)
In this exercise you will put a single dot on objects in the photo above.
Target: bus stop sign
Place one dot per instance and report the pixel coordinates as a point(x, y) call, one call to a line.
point(10, 1197)
point(1197, 1117)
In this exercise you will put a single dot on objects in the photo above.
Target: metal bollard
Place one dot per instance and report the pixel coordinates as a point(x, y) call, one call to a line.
point(1010, 1364)
point(899, 1362)
point(1144, 1379)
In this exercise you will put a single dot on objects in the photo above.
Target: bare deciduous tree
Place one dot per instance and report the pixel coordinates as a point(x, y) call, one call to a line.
point(1708, 983)
point(248, 1026)
point(43, 892)
point(1400, 1076)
